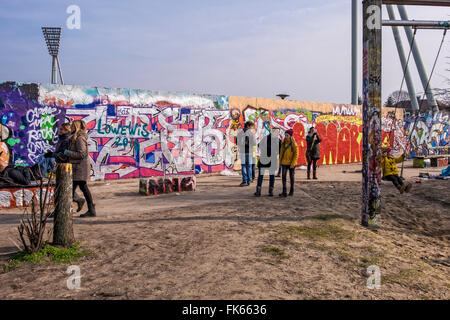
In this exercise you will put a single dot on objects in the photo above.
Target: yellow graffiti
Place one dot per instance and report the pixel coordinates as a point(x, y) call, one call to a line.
point(329, 118)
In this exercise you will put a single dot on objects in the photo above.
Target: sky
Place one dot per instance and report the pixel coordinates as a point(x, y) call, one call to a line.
point(253, 48)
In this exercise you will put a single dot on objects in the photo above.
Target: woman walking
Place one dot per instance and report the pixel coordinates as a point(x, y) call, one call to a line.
point(312, 151)
point(288, 161)
point(79, 157)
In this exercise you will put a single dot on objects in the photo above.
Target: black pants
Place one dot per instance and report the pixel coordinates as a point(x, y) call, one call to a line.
point(314, 163)
point(84, 188)
point(284, 170)
point(396, 180)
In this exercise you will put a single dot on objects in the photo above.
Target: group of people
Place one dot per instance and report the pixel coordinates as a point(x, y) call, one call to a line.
point(275, 154)
point(72, 147)
point(285, 154)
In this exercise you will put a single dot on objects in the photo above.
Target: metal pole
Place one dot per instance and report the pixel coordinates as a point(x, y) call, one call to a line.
point(401, 54)
point(59, 70)
point(355, 52)
point(419, 24)
point(54, 76)
point(371, 169)
point(420, 67)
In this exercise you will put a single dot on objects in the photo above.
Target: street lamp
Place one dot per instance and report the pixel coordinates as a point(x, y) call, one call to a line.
point(282, 96)
point(52, 36)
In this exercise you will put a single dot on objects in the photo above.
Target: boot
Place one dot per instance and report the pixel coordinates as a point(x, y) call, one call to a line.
point(401, 188)
point(308, 175)
point(314, 174)
point(270, 191)
point(90, 213)
point(80, 203)
point(291, 192)
point(408, 187)
point(258, 192)
point(284, 193)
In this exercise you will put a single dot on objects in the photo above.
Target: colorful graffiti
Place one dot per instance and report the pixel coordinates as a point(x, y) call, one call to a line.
point(141, 133)
point(429, 133)
point(22, 197)
point(133, 133)
point(341, 134)
point(154, 186)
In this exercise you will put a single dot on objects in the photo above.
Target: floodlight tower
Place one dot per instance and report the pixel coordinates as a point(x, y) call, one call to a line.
point(52, 36)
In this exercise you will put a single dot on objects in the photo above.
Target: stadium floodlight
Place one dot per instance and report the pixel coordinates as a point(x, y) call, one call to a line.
point(52, 37)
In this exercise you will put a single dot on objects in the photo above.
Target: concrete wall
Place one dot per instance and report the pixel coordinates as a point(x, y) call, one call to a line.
point(141, 133)
point(339, 125)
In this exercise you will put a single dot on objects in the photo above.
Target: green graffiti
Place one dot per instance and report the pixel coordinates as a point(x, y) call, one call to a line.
point(22, 127)
point(12, 141)
point(309, 115)
point(47, 124)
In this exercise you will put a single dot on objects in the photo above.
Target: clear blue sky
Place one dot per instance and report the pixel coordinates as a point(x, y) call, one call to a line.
point(233, 47)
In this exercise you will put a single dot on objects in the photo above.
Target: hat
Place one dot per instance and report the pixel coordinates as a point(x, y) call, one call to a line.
point(290, 132)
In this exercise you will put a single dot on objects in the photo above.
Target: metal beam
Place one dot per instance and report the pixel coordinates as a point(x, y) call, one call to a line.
point(442, 3)
point(419, 63)
point(418, 24)
point(355, 51)
point(371, 165)
point(404, 62)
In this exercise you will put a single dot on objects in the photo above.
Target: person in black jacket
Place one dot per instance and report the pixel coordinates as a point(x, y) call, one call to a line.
point(312, 151)
point(268, 160)
point(61, 146)
point(11, 175)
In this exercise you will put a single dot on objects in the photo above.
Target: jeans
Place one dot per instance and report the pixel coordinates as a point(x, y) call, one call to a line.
point(396, 180)
point(246, 168)
point(261, 172)
point(314, 163)
point(253, 170)
point(284, 170)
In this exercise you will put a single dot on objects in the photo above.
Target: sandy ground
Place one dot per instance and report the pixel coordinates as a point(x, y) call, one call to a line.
point(220, 242)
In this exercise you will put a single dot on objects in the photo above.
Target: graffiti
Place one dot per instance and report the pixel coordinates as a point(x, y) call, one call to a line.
point(22, 197)
point(346, 111)
point(153, 186)
point(429, 134)
point(341, 135)
point(42, 131)
point(141, 133)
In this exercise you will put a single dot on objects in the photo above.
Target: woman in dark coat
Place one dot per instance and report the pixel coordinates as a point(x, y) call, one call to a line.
point(79, 157)
point(312, 151)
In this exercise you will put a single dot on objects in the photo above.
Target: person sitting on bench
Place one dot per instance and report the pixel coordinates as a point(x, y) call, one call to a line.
point(15, 175)
point(390, 171)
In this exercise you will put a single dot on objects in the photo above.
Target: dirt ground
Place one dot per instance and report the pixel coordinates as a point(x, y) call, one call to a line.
point(221, 242)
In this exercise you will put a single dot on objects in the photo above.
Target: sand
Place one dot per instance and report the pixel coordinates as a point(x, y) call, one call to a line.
point(221, 242)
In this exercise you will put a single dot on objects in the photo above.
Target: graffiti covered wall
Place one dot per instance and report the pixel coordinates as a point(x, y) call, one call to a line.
point(429, 134)
point(133, 133)
point(339, 125)
point(140, 133)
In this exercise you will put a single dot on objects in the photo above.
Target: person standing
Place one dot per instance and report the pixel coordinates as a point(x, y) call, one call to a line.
point(312, 151)
point(288, 161)
point(246, 141)
point(268, 161)
point(78, 155)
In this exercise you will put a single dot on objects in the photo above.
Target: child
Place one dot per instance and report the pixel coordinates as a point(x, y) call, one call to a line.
point(288, 161)
point(390, 171)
